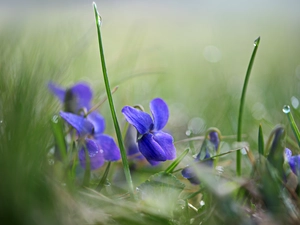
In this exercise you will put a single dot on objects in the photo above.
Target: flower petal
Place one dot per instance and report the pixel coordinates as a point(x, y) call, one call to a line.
point(81, 124)
point(165, 141)
point(57, 91)
point(294, 162)
point(84, 95)
point(214, 139)
point(151, 149)
point(140, 120)
point(189, 174)
point(287, 153)
point(98, 122)
point(107, 145)
point(131, 145)
point(160, 112)
point(96, 156)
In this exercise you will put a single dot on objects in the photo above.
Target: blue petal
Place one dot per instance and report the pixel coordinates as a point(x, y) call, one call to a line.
point(108, 146)
point(98, 122)
point(84, 95)
point(140, 120)
point(287, 153)
point(294, 162)
point(214, 138)
point(151, 149)
point(81, 124)
point(160, 112)
point(165, 141)
point(189, 174)
point(131, 145)
point(96, 156)
point(57, 91)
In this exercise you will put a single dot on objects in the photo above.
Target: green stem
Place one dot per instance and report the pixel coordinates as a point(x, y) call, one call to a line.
point(242, 102)
point(111, 104)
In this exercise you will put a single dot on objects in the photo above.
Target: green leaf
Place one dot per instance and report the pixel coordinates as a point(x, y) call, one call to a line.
point(161, 192)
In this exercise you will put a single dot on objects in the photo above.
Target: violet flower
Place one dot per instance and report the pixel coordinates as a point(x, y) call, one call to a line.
point(294, 161)
point(205, 153)
point(153, 143)
point(89, 128)
point(100, 146)
point(74, 98)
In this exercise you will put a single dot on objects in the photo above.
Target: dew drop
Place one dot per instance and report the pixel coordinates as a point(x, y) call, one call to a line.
point(256, 42)
point(202, 203)
point(295, 102)
point(286, 109)
point(101, 151)
point(188, 133)
point(55, 119)
point(51, 162)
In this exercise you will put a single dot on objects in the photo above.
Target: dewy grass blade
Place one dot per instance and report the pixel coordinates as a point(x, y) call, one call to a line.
point(242, 102)
point(111, 104)
point(286, 109)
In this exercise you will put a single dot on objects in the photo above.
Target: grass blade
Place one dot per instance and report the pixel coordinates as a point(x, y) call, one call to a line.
point(111, 104)
point(242, 102)
point(286, 109)
point(171, 168)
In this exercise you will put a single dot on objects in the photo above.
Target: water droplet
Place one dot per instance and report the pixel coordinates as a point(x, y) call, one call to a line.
point(99, 20)
point(286, 109)
point(202, 203)
point(295, 102)
point(55, 119)
point(188, 133)
point(101, 151)
point(51, 162)
point(1, 121)
point(256, 42)
point(220, 169)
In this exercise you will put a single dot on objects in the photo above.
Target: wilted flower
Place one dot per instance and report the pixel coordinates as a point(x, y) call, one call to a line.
point(153, 143)
point(208, 148)
point(100, 146)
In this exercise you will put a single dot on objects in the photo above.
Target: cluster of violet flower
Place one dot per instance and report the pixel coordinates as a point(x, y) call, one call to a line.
point(154, 144)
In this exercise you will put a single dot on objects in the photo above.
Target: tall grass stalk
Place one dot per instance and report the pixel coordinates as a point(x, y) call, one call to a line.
point(111, 104)
point(242, 102)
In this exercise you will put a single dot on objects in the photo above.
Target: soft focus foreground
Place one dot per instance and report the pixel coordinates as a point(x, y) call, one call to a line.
point(194, 56)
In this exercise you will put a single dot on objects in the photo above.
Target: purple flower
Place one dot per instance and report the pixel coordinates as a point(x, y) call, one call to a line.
point(208, 147)
point(153, 143)
point(294, 161)
point(89, 128)
point(100, 146)
point(74, 98)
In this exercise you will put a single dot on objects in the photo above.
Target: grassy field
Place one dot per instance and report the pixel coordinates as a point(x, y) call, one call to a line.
point(193, 55)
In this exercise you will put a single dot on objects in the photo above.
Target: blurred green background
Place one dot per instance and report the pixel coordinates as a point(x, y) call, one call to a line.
point(193, 54)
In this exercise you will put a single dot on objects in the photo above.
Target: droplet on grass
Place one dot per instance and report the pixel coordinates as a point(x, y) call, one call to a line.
point(286, 109)
point(55, 119)
point(256, 42)
point(295, 102)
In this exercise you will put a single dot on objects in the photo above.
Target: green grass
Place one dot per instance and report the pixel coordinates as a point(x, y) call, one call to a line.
point(146, 57)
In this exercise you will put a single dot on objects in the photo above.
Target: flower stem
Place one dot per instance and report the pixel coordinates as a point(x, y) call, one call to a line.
point(242, 102)
point(111, 104)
